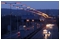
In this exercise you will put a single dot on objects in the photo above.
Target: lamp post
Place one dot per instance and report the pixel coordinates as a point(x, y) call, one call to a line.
point(17, 7)
point(10, 12)
point(17, 18)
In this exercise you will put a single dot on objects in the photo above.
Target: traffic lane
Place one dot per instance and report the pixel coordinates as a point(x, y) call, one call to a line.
point(24, 35)
point(38, 35)
point(54, 34)
point(26, 32)
point(14, 34)
point(8, 35)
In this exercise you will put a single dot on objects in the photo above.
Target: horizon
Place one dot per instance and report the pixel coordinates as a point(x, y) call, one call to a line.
point(36, 9)
point(34, 4)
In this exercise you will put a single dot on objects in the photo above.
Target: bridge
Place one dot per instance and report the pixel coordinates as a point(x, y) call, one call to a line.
point(27, 8)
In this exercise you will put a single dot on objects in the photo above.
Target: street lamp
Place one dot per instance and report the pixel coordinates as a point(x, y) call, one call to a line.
point(27, 20)
point(17, 18)
point(24, 26)
point(17, 15)
point(10, 12)
point(32, 20)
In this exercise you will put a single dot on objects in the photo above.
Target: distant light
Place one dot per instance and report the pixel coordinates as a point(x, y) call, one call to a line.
point(45, 31)
point(49, 25)
point(18, 2)
point(2, 2)
point(27, 20)
point(32, 20)
point(24, 26)
point(28, 7)
point(42, 19)
point(18, 32)
point(17, 6)
point(31, 8)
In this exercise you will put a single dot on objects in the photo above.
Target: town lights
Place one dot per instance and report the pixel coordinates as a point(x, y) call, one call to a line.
point(18, 2)
point(31, 8)
point(28, 7)
point(3, 3)
point(27, 20)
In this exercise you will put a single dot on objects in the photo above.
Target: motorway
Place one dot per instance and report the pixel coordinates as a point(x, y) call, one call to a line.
point(35, 32)
point(54, 34)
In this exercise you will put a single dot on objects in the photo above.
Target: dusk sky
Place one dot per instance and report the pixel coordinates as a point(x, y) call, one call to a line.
point(37, 4)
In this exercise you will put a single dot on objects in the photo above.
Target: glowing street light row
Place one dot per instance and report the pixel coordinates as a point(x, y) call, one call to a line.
point(28, 7)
